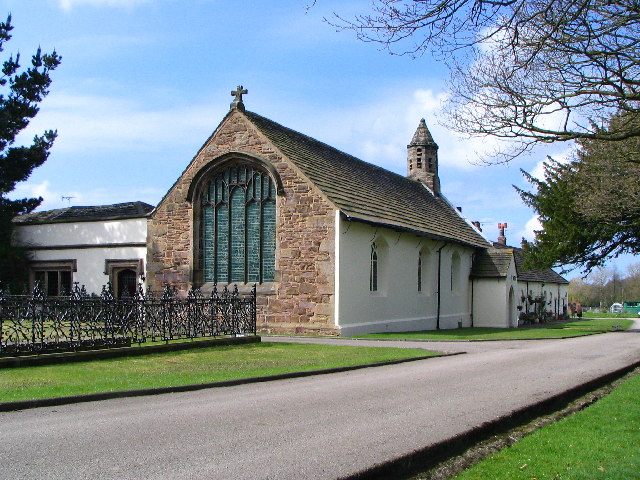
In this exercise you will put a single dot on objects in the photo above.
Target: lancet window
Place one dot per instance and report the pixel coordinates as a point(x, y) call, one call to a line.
point(373, 269)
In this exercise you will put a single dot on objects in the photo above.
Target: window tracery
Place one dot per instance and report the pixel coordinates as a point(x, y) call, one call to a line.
point(238, 226)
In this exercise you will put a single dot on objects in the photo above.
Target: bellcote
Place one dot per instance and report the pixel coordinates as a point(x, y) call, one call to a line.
point(422, 158)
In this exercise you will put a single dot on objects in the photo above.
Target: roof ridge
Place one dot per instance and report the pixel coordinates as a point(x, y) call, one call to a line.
point(81, 213)
point(61, 211)
point(341, 152)
point(347, 180)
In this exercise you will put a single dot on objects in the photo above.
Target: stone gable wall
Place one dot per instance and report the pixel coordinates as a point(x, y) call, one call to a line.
point(302, 298)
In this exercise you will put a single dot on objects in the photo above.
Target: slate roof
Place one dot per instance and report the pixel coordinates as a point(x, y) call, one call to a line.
point(546, 275)
point(494, 262)
point(423, 135)
point(369, 193)
point(118, 211)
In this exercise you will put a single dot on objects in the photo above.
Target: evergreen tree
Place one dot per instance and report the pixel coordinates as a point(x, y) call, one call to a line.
point(589, 208)
point(20, 93)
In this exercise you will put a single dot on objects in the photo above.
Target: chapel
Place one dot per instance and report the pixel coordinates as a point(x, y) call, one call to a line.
point(334, 245)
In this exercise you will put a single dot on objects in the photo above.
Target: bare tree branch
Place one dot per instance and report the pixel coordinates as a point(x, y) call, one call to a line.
point(532, 71)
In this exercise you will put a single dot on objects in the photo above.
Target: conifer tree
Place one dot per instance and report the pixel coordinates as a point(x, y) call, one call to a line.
point(21, 90)
point(589, 208)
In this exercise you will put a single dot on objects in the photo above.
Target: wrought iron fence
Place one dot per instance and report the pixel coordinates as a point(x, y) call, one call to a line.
point(36, 323)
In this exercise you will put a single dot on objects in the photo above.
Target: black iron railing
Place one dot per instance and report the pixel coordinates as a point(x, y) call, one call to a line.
point(36, 323)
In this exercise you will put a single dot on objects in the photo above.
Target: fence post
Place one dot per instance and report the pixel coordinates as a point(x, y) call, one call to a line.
point(235, 321)
point(38, 297)
point(3, 310)
point(254, 307)
point(106, 302)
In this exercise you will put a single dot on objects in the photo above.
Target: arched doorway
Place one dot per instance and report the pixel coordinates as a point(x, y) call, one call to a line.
point(126, 283)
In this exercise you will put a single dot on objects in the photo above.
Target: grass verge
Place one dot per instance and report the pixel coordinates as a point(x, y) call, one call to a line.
point(187, 367)
point(599, 442)
point(556, 330)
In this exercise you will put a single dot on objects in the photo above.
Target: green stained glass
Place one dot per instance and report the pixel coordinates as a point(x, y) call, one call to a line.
point(265, 188)
point(253, 242)
point(239, 234)
point(221, 236)
point(207, 242)
point(219, 189)
point(257, 182)
point(268, 241)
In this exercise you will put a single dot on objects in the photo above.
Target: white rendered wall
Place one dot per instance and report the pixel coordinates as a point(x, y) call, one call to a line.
point(91, 262)
point(82, 233)
point(491, 301)
point(397, 305)
point(94, 243)
point(556, 295)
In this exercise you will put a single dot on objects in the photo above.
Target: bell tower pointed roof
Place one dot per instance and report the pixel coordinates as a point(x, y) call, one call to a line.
point(422, 158)
point(423, 136)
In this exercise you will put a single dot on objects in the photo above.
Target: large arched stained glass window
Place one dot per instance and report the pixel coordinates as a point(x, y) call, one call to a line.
point(238, 234)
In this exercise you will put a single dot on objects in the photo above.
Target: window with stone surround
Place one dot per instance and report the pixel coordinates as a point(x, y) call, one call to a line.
point(55, 277)
point(238, 226)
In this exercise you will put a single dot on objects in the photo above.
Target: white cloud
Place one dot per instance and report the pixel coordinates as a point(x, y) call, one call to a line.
point(380, 130)
point(115, 127)
point(32, 190)
point(532, 225)
point(53, 198)
point(70, 4)
point(85, 122)
point(562, 157)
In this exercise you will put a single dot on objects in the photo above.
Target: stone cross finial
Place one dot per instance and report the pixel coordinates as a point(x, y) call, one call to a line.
point(237, 102)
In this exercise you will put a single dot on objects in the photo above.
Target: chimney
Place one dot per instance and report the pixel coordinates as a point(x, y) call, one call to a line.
point(502, 240)
point(476, 224)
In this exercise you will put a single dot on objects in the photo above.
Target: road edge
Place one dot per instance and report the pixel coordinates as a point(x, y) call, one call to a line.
point(92, 397)
point(426, 458)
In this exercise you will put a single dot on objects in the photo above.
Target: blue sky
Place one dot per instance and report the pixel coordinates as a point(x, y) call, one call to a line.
point(143, 83)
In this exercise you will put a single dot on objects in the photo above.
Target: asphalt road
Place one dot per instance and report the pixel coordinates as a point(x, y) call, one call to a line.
point(321, 427)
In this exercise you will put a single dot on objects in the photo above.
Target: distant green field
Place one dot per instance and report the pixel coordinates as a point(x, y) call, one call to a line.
point(558, 330)
point(608, 315)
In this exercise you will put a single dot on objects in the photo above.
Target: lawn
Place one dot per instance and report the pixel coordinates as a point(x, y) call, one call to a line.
point(557, 330)
point(187, 367)
point(608, 315)
point(600, 442)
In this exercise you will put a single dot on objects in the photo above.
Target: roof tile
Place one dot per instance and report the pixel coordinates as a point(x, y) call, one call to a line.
point(366, 192)
point(118, 211)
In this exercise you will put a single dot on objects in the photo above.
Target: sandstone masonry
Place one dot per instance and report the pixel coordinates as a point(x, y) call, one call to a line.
point(301, 300)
